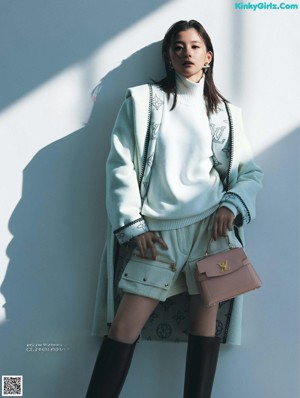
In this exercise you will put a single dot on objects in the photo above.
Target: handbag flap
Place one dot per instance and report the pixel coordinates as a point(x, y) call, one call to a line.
point(223, 263)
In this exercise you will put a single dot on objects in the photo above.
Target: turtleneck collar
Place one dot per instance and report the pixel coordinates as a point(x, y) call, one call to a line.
point(189, 91)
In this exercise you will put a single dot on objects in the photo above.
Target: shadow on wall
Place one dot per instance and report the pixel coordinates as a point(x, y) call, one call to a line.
point(278, 217)
point(271, 314)
point(41, 40)
point(58, 232)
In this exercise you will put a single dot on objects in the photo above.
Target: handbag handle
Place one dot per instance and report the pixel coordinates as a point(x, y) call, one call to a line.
point(230, 245)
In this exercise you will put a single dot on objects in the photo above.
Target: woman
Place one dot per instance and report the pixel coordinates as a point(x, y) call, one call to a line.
point(178, 174)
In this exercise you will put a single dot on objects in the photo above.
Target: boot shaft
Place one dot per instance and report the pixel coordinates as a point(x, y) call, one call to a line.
point(110, 370)
point(201, 363)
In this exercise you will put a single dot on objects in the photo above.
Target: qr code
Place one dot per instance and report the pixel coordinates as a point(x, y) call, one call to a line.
point(12, 386)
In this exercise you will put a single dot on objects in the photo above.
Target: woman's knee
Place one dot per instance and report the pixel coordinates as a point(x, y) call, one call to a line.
point(131, 317)
point(202, 319)
point(122, 331)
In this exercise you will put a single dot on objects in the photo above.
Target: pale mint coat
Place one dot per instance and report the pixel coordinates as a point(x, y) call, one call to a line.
point(128, 174)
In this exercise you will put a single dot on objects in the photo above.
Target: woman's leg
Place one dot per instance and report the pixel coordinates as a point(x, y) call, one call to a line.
point(202, 319)
point(203, 350)
point(117, 349)
point(132, 314)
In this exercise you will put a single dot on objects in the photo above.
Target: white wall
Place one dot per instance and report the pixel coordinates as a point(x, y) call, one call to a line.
point(52, 184)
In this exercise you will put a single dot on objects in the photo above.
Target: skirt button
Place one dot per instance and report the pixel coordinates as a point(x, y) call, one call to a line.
point(173, 267)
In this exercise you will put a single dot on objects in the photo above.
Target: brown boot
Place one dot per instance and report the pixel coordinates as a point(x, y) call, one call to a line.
point(110, 369)
point(201, 363)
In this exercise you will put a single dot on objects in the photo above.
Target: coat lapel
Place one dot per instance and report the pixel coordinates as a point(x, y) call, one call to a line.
point(157, 104)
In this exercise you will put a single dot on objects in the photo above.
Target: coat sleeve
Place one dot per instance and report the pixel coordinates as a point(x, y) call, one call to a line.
point(245, 179)
point(123, 200)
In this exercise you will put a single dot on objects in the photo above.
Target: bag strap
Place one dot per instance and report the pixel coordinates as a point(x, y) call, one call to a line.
point(230, 245)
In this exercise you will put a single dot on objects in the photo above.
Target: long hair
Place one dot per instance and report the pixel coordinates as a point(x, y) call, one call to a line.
point(168, 84)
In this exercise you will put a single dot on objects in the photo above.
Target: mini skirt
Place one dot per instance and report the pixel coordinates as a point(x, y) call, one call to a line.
point(174, 270)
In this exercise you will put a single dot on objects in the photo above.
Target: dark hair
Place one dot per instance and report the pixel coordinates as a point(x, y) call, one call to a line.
point(168, 84)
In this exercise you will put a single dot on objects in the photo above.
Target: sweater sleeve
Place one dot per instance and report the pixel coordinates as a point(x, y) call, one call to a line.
point(246, 182)
point(123, 199)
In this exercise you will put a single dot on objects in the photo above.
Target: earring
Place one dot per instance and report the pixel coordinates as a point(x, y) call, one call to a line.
point(170, 66)
point(205, 68)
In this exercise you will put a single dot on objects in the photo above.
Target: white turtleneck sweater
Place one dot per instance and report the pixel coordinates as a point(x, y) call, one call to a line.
point(184, 187)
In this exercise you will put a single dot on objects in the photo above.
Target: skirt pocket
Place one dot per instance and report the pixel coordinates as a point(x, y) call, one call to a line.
point(150, 278)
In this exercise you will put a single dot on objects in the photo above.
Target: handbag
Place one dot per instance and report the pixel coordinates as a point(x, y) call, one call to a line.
point(225, 275)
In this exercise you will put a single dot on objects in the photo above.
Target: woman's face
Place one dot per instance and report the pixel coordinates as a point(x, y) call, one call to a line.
point(188, 54)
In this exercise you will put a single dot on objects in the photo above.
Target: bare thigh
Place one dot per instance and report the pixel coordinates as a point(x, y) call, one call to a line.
point(202, 319)
point(132, 314)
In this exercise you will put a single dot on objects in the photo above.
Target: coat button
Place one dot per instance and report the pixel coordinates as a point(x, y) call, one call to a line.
point(166, 284)
point(144, 279)
point(126, 275)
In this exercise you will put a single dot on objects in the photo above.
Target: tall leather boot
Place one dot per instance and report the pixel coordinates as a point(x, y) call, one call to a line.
point(201, 364)
point(110, 369)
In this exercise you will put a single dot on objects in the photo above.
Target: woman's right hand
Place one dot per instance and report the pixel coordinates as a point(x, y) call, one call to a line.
point(146, 242)
point(223, 222)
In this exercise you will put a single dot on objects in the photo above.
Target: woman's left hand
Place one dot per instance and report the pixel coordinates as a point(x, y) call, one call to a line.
point(223, 221)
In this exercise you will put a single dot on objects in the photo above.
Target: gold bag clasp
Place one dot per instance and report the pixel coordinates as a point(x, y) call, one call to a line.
point(224, 266)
